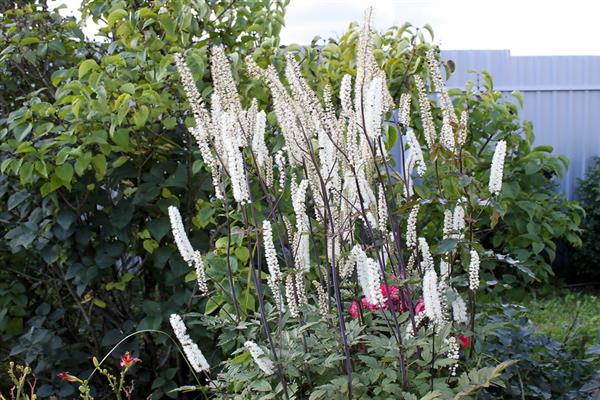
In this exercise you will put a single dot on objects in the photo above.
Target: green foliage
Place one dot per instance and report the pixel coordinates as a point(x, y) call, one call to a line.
point(532, 215)
point(94, 148)
point(546, 369)
point(576, 329)
point(586, 264)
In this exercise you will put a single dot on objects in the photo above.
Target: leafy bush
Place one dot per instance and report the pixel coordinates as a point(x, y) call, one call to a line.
point(360, 239)
point(585, 265)
point(546, 368)
point(93, 145)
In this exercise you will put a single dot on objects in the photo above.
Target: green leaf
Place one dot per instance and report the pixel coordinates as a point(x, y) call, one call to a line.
point(64, 172)
point(116, 15)
point(86, 66)
point(445, 246)
point(26, 172)
point(140, 117)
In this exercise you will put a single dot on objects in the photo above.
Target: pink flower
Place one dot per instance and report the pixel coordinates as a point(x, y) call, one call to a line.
point(365, 304)
point(65, 376)
point(420, 306)
point(464, 341)
point(127, 361)
point(354, 309)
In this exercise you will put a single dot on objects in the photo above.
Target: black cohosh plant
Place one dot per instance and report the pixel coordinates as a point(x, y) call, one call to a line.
point(329, 238)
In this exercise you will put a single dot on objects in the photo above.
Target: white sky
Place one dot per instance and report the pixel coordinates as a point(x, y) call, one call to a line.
point(526, 27)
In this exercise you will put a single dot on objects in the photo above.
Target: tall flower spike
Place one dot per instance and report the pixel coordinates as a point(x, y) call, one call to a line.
point(322, 299)
point(262, 362)
point(235, 160)
point(497, 169)
point(448, 224)
point(453, 353)
point(416, 151)
point(458, 220)
point(425, 109)
point(181, 240)
point(200, 273)
point(459, 310)
point(404, 109)
point(280, 165)
point(302, 235)
point(224, 84)
point(426, 258)
point(272, 264)
point(382, 210)
point(190, 349)
point(290, 294)
point(463, 127)
point(411, 227)
point(433, 306)
point(374, 107)
point(474, 271)
point(369, 276)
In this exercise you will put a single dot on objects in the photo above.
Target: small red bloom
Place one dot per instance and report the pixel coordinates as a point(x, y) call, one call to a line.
point(65, 376)
point(354, 309)
point(420, 306)
point(464, 341)
point(127, 361)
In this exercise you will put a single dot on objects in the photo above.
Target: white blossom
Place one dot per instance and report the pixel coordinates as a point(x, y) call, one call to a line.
point(290, 294)
point(382, 210)
point(425, 109)
point(369, 276)
point(444, 269)
point(459, 310)
point(263, 159)
point(234, 159)
point(474, 271)
point(448, 224)
point(497, 169)
point(416, 151)
point(262, 362)
point(431, 297)
point(322, 299)
point(453, 353)
point(374, 107)
point(404, 110)
point(411, 227)
point(463, 127)
point(280, 164)
point(190, 349)
point(272, 264)
point(426, 258)
point(458, 221)
point(200, 273)
point(181, 240)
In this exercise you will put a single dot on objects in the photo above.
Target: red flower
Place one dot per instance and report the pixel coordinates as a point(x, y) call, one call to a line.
point(391, 299)
point(464, 341)
point(65, 376)
point(353, 310)
point(420, 306)
point(127, 361)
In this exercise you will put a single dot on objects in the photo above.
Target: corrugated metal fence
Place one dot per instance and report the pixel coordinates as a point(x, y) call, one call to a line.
point(562, 99)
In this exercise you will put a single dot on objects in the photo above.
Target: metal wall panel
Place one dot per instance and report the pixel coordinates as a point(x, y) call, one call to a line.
point(562, 99)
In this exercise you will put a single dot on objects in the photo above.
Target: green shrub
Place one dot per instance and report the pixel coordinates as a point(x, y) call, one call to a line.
point(546, 368)
point(93, 145)
point(585, 265)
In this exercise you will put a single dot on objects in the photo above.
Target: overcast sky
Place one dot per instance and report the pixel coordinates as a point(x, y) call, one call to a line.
point(526, 27)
